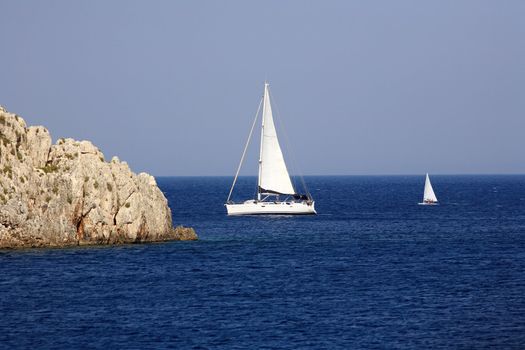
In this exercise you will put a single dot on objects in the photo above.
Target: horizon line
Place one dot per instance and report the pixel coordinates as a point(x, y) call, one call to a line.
point(342, 175)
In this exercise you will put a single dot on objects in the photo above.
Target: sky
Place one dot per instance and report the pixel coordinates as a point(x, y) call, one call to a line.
point(360, 87)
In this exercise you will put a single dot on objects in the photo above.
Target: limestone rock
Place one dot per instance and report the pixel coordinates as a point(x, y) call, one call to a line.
point(40, 140)
point(67, 194)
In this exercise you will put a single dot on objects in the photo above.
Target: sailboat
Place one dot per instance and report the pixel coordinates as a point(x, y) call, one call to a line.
point(275, 191)
point(429, 197)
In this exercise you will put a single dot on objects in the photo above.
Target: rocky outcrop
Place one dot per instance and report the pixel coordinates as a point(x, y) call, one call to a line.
point(67, 194)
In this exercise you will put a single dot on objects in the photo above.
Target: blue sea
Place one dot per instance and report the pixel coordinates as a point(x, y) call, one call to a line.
point(372, 270)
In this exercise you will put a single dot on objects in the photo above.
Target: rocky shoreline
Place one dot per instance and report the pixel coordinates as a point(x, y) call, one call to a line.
point(67, 194)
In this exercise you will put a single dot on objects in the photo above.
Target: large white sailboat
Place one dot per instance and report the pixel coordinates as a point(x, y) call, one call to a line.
point(275, 191)
point(429, 197)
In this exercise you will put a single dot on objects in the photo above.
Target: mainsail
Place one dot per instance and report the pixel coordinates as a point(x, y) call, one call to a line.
point(273, 175)
point(429, 195)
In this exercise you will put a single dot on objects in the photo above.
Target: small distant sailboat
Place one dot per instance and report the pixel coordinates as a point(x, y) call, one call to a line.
point(273, 180)
point(429, 197)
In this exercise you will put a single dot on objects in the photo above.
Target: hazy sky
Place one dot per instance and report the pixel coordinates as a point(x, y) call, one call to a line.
point(362, 87)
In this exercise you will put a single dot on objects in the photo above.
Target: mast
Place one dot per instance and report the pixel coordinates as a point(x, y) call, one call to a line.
point(265, 97)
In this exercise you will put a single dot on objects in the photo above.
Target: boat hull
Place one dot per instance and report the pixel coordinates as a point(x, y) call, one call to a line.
point(431, 203)
point(271, 208)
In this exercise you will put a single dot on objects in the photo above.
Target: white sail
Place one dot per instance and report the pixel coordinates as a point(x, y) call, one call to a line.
point(429, 195)
point(273, 175)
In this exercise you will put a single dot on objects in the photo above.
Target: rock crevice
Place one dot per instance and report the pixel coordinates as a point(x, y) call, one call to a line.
point(66, 193)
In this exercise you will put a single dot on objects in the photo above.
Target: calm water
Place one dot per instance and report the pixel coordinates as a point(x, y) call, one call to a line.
point(373, 270)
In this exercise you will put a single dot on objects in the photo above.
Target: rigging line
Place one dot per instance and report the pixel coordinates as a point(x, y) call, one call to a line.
point(288, 145)
point(244, 152)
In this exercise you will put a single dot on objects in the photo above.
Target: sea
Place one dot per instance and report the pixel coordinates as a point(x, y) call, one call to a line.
point(373, 270)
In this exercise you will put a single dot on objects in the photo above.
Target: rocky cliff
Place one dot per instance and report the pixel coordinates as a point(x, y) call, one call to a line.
point(67, 194)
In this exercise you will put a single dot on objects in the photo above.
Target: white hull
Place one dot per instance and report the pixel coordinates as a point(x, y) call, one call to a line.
point(429, 203)
point(252, 207)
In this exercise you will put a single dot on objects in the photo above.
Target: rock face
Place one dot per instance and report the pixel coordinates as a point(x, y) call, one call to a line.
point(67, 194)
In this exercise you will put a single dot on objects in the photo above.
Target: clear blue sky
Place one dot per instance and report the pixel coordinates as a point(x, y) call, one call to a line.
point(362, 87)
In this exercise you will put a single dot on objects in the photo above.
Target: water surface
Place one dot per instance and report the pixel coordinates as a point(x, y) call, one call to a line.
point(372, 270)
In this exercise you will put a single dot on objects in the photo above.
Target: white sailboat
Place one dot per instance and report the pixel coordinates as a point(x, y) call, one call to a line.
point(274, 182)
point(429, 197)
